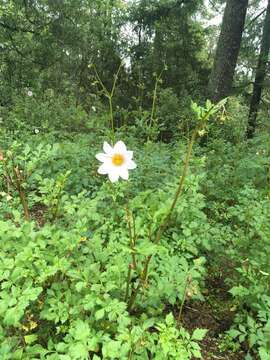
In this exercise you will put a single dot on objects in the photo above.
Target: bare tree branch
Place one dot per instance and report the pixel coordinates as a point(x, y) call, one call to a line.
point(254, 19)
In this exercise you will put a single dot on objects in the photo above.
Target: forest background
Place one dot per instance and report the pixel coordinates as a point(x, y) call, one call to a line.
point(173, 263)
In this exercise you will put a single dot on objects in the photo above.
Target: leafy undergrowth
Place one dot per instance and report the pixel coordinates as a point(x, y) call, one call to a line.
point(74, 249)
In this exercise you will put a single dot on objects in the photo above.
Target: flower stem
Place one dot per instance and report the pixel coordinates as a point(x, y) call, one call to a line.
point(183, 301)
point(111, 118)
point(142, 280)
point(165, 222)
point(18, 184)
point(177, 195)
point(128, 281)
point(154, 102)
point(131, 237)
point(109, 95)
point(179, 190)
point(132, 245)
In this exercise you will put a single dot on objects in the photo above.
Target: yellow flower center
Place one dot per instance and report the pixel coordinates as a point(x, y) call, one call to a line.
point(118, 159)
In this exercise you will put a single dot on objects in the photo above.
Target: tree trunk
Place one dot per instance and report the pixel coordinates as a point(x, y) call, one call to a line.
point(260, 75)
point(228, 47)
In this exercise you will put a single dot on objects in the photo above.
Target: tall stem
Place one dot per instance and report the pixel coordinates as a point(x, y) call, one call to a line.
point(165, 222)
point(131, 237)
point(111, 118)
point(132, 245)
point(179, 189)
point(154, 101)
point(183, 301)
point(21, 193)
point(128, 281)
point(109, 95)
point(201, 125)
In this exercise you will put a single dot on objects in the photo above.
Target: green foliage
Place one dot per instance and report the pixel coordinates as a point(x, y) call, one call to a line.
point(42, 114)
point(49, 45)
point(168, 35)
point(175, 343)
point(67, 276)
point(233, 124)
point(67, 273)
point(244, 220)
point(94, 270)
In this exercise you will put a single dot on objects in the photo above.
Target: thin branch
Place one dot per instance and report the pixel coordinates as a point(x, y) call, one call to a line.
point(214, 7)
point(15, 28)
point(254, 19)
point(15, 46)
point(24, 55)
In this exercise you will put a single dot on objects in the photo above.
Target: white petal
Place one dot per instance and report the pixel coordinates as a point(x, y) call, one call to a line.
point(129, 155)
point(130, 164)
point(120, 147)
point(104, 169)
point(107, 148)
point(123, 172)
point(102, 157)
point(113, 176)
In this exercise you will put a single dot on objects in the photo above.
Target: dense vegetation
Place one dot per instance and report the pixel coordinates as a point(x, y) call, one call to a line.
point(172, 259)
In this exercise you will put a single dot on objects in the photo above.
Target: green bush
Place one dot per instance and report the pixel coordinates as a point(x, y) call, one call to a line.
point(67, 273)
point(81, 273)
point(46, 113)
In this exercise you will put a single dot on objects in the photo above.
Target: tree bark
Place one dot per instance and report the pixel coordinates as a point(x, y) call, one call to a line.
point(228, 47)
point(260, 75)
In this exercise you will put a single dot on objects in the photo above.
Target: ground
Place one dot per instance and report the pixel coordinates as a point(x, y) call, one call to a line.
point(216, 315)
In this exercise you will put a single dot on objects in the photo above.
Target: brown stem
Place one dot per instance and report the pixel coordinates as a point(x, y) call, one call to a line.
point(128, 281)
point(179, 190)
point(183, 301)
point(131, 238)
point(21, 193)
point(140, 284)
point(132, 248)
point(166, 220)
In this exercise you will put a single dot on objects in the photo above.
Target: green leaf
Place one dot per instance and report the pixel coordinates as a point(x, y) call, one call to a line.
point(80, 285)
point(81, 331)
point(99, 314)
point(264, 354)
point(196, 353)
point(239, 291)
point(253, 338)
point(79, 351)
point(199, 334)
point(30, 339)
point(234, 333)
point(111, 349)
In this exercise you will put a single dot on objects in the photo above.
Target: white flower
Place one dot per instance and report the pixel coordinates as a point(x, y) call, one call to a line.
point(116, 161)
point(94, 108)
point(29, 93)
point(36, 131)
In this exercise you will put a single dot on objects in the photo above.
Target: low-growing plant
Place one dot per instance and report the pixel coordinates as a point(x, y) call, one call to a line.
point(95, 280)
